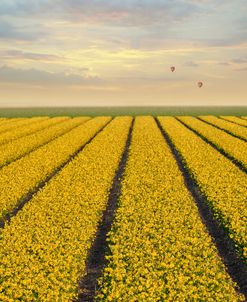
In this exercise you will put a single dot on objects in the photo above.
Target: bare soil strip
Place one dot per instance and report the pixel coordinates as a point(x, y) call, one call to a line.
point(25, 154)
point(235, 266)
point(96, 260)
point(232, 134)
point(220, 150)
point(30, 195)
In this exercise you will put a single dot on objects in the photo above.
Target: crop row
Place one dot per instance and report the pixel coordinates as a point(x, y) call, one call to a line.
point(235, 119)
point(228, 126)
point(10, 124)
point(22, 176)
point(231, 145)
point(45, 246)
point(159, 248)
point(2, 119)
point(28, 129)
point(17, 148)
point(6, 121)
point(223, 184)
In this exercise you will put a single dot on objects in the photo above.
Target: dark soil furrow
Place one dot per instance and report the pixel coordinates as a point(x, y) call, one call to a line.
point(228, 132)
point(40, 185)
point(220, 150)
point(96, 260)
point(235, 266)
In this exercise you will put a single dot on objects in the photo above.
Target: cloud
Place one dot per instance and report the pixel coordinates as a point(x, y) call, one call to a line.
point(224, 64)
point(22, 7)
point(242, 60)
point(235, 61)
point(155, 23)
point(126, 13)
point(8, 31)
point(21, 55)
point(191, 64)
point(44, 78)
point(241, 69)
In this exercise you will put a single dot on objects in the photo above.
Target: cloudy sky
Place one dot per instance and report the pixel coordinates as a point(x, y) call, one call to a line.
point(111, 52)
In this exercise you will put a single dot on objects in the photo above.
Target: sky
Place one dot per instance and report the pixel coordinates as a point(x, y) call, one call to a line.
point(119, 53)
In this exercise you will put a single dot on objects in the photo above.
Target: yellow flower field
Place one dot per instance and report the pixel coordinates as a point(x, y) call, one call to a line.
point(28, 129)
point(235, 119)
point(118, 202)
point(228, 126)
point(231, 145)
point(14, 123)
point(159, 248)
point(17, 148)
point(220, 180)
point(18, 178)
point(44, 248)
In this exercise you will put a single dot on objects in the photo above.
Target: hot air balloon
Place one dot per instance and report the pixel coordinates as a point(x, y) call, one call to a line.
point(200, 84)
point(173, 68)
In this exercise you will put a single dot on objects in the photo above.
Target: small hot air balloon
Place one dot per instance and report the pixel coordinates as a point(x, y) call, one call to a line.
point(200, 84)
point(173, 68)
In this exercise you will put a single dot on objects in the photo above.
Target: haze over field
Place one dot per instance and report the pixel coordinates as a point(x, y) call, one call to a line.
point(110, 52)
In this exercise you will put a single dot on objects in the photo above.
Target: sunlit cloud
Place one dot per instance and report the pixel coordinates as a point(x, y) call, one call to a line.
point(242, 60)
point(127, 13)
point(107, 50)
point(241, 69)
point(13, 33)
point(44, 78)
point(191, 64)
point(22, 55)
